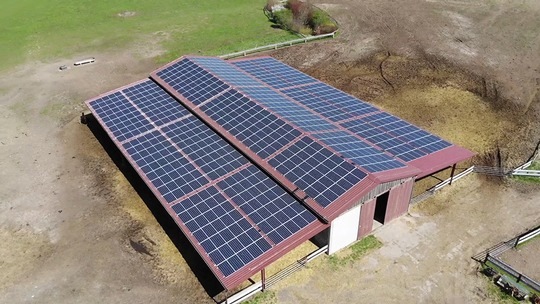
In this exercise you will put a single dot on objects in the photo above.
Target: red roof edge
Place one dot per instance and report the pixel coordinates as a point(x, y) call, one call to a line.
point(395, 174)
point(272, 255)
point(439, 160)
point(350, 198)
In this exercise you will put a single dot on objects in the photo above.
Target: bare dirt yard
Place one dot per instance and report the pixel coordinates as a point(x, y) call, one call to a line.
point(74, 230)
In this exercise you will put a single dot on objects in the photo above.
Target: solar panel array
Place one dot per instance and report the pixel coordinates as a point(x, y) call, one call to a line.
point(167, 169)
point(298, 115)
point(122, 118)
point(233, 210)
point(323, 175)
point(388, 133)
point(280, 218)
point(330, 102)
point(260, 130)
point(228, 238)
point(274, 73)
point(193, 82)
point(396, 136)
point(319, 138)
point(349, 146)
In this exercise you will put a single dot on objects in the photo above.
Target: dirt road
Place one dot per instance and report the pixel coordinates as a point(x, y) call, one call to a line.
point(73, 230)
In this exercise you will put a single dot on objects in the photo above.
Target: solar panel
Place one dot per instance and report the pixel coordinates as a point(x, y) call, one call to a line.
point(324, 107)
point(275, 212)
point(120, 116)
point(274, 73)
point(396, 136)
point(358, 151)
point(155, 103)
point(323, 175)
point(228, 238)
point(414, 136)
point(342, 100)
point(287, 109)
point(257, 128)
point(166, 168)
point(192, 81)
point(209, 151)
point(226, 71)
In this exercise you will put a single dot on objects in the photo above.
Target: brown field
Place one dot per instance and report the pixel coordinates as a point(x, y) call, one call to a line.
point(74, 229)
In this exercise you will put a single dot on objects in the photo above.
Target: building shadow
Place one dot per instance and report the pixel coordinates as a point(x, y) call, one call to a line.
point(205, 276)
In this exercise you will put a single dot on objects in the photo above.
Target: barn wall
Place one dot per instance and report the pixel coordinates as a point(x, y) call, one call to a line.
point(366, 218)
point(398, 200)
point(344, 230)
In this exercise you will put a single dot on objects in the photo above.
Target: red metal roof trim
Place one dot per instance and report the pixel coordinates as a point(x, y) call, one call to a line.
point(444, 158)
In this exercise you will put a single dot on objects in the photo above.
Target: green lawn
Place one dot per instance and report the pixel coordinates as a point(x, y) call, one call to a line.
point(40, 30)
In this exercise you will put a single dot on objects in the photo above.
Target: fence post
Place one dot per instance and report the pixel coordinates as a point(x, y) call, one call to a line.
point(452, 174)
point(518, 278)
point(517, 242)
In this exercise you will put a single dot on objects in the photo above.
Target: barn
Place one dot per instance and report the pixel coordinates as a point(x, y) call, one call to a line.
point(252, 157)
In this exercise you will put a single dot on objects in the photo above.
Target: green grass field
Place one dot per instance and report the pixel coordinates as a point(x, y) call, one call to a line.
point(41, 30)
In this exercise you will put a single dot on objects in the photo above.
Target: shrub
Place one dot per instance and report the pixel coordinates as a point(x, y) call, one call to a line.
point(321, 23)
point(304, 30)
point(300, 10)
point(284, 18)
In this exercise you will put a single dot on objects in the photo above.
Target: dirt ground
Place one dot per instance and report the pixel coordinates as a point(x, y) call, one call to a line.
point(74, 230)
point(525, 259)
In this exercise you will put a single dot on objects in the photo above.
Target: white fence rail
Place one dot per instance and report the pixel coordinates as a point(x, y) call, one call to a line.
point(446, 182)
point(244, 294)
point(441, 185)
point(276, 46)
point(251, 290)
point(535, 173)
point(528, 236)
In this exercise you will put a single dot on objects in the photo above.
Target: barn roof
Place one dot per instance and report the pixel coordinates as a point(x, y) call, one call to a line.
point(252, 157)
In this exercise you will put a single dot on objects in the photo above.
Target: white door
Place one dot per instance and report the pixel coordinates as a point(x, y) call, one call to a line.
point(344, 230)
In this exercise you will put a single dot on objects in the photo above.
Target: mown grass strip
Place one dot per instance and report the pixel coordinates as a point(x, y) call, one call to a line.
point(265, 297)
point(358, 250)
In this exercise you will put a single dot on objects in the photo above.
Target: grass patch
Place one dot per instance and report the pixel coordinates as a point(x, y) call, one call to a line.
point(355, 252)
point(265, 297)
point(40, 30)
point(529, 179)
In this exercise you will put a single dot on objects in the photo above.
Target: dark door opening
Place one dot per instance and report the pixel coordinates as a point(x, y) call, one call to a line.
point(380, 207)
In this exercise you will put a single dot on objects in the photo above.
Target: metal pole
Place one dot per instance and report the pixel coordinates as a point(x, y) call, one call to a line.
point(263, 279)
point(452, 174)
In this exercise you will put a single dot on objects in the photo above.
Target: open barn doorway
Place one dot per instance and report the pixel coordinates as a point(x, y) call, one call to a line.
point(381, 204)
